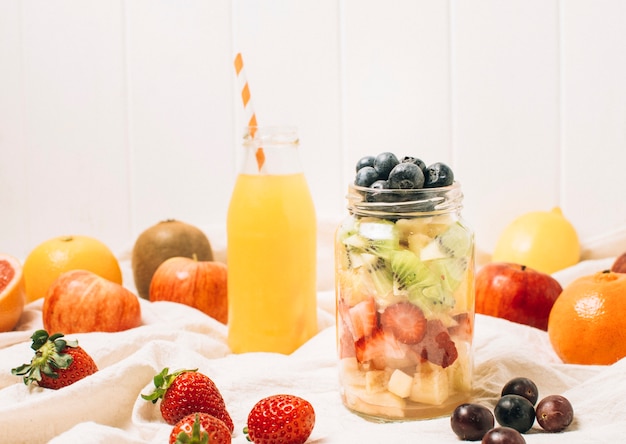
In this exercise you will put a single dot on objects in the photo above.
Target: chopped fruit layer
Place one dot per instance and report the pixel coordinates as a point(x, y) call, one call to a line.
point(364, 318)
point(406, 321)
point(405, 316)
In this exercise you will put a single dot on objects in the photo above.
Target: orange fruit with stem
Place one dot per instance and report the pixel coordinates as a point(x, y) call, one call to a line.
point(48, 260)
point(12, 294)
point(586, 323)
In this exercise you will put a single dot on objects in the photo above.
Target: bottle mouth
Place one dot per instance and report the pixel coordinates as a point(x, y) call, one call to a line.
point(387, 203)
point(271, 135)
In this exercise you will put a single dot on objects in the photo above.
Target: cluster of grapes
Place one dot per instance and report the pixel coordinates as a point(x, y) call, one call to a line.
point(515, 412)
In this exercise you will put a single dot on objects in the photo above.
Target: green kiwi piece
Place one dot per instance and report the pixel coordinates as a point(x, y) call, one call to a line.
point(373, 236)
point(424, 287)
point(453, 242)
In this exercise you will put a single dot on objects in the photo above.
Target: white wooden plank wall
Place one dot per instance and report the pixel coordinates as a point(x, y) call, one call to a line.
point(115, 115)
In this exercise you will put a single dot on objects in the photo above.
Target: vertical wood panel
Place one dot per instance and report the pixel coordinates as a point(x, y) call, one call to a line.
point(594, 116)
point(396, 84)
point(291, 54)
point(506, 98)
point(181, 111)
point(14, 221)
point(74, 120)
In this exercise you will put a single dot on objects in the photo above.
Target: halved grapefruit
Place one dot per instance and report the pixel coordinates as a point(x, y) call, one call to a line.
point(12, 294)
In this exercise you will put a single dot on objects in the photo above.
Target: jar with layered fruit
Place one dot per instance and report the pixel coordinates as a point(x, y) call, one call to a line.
point(404, 264)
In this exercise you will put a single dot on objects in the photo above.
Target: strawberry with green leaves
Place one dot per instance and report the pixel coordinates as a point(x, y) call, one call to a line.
point(200, 428)
point(57, 362)
point(280, 419)
point(187, 391)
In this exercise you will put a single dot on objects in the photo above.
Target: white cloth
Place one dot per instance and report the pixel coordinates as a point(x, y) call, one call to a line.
point(107, 407)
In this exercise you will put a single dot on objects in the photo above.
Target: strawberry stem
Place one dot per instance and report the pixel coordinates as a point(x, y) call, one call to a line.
point(162, 382)
point(197, 435)
point(49, 357)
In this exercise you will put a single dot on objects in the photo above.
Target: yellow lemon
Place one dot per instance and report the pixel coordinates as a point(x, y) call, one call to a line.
point(48, 260)
point(543, 240)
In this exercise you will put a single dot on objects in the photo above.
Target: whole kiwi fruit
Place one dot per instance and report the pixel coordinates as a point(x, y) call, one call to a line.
point(168, 238)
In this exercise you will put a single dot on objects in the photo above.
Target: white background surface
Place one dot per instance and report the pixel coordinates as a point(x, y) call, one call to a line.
point(115, 115)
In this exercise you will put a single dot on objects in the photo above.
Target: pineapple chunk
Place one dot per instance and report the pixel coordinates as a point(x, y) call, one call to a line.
point(459, 373)
point(383, 404)
point(376, 381)
point(349, 372)
point(417, 241)
point(430, 388)
point(400, 383)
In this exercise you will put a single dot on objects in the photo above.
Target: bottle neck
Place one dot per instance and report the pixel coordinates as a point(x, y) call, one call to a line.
point(271, 150)
point(391, 203)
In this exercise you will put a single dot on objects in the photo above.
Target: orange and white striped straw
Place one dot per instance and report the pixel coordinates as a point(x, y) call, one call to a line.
point(247, 106)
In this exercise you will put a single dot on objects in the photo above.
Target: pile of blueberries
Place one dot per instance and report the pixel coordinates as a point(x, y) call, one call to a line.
point(385, 171)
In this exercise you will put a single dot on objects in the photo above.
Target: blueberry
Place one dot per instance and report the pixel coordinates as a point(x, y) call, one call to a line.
point(366, 176)
point(406, 175)
point(419, 162)
point(438, 175)
point(384, 163)
point(380, 185)
point(367, 161)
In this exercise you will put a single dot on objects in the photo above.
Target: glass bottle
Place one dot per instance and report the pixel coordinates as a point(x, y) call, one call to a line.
point(271, 250)
point(404, 271)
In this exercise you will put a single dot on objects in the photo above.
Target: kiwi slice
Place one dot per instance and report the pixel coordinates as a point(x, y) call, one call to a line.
point(373, 236)
point(379, 272)
point(424, 287)
point(453, 242)
point(451, 269)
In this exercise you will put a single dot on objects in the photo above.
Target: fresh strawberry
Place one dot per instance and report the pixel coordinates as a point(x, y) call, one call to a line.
point(363, 318)
point(280, 419)
point(381, 350)
point(406, 321)
point(200, 428)
point(187, 391)
point(437, 346)
point(57, 362)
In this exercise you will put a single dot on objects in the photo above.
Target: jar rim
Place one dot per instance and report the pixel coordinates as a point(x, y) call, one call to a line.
point(406, 202)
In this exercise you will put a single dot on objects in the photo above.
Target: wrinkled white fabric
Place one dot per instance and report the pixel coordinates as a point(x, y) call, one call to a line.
point(106, 407)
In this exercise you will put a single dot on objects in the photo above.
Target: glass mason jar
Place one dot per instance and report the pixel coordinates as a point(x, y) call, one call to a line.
point(271, 247)
point(404, 273)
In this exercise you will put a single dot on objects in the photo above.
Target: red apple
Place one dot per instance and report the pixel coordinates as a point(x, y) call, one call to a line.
point(80, 301)
point(199, 284)
point(619, 266)
point(517, 293)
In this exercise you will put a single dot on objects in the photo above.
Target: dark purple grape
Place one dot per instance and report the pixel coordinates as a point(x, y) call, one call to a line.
point(523, 387)
point(366, 161)
point(384, 163)
point(554, 413)
point(470, 422)
point(366, 176)
point(438, 175)
point(503, 435)
point(516, 412)
point(405, 176)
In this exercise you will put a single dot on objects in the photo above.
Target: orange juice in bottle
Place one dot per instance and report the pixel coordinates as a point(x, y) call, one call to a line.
point(271, 249)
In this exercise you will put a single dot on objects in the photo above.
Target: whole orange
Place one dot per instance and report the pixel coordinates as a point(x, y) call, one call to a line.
point(586, 324)
point(12, 295)
point(48, 260)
